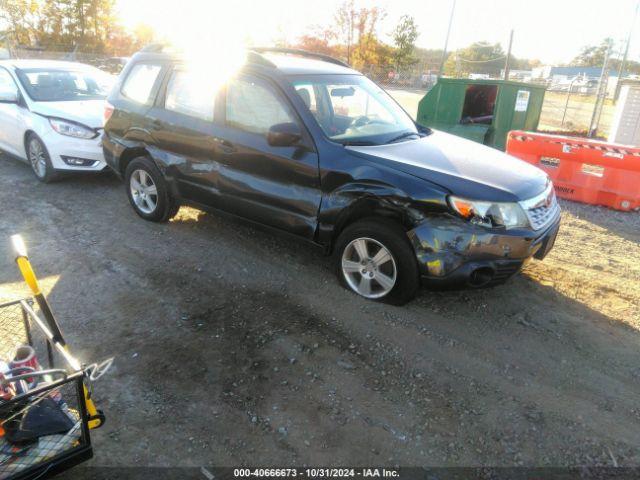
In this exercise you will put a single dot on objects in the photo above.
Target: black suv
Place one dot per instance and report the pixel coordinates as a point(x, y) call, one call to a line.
point(302, 143)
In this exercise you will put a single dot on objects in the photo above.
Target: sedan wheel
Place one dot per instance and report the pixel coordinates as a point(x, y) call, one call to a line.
point(369, 267)
point(143, 191)
point(37, 158)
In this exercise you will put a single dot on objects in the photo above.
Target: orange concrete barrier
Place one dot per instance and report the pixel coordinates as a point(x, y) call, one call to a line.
point(582, 169)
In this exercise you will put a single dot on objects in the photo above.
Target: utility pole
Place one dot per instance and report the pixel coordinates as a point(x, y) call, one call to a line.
point(601, 94)
point(446, 40)
point(506, 61)
point(623, 64)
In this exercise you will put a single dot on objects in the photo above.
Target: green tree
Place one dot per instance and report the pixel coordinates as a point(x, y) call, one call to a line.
point(65, 25)
point(592, 55)
point(22, 18)
point(356, 31)
point(404, 40)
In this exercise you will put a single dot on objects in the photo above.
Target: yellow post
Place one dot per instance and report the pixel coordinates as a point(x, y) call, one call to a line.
point(95, 417)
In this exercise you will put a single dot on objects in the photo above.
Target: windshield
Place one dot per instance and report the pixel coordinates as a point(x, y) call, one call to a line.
point(353, 110)
point(55, 85)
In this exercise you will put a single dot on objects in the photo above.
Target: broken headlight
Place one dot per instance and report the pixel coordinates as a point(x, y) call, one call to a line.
point(490, 214)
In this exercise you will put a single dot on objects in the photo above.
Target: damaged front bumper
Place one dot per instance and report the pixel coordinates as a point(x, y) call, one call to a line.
point(453, 252)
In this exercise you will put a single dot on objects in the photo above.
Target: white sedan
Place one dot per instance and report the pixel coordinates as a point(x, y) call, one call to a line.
point(51, 115)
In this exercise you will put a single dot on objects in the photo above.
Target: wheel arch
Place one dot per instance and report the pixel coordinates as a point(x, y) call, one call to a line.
point(130, 154)
point(370, 206)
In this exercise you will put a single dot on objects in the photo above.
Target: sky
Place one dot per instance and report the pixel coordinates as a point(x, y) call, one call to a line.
point(553, 31)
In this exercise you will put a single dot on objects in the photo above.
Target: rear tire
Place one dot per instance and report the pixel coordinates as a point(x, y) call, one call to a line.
point(148, 191)
point(374, 259)
point(39, 159)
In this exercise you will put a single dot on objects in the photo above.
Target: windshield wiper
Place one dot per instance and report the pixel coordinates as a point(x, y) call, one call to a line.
point(358, 143)
point(404, 135)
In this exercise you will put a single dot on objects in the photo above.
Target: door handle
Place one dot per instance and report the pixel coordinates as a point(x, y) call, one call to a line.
point(225, 146)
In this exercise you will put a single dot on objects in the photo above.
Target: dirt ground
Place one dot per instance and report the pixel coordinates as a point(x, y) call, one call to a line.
point(237, 346)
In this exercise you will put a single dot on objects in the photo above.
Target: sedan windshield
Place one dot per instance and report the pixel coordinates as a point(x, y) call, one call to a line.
point(55, 85)
point(353, 110)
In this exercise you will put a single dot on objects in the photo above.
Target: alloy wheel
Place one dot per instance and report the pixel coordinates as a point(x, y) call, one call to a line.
point(37, 158)
point(143, 191)
point(369, 268)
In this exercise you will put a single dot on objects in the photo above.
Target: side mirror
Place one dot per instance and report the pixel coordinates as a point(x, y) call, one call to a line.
point(284, 135)
point(9, 96)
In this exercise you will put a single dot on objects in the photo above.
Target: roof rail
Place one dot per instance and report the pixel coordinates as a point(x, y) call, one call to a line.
point(256, 57)
point(252, 56)
point(154, 48)
point(301, 53)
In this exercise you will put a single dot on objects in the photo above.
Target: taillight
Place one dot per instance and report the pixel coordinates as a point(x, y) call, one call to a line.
point(108, 111)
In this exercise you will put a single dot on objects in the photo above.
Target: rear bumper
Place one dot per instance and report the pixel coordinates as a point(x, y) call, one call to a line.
point(112, 151)
point(454, 253)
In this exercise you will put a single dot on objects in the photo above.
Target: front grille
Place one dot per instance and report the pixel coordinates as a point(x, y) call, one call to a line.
point(542, 209)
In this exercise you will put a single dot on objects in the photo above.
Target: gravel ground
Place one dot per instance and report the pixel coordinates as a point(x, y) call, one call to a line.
point(236, 346)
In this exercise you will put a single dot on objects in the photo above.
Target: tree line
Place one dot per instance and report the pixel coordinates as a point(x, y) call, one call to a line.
point(91, 26)
point(354, 37)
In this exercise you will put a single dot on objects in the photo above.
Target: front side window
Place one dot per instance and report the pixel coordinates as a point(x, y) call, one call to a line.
point(351, 109)
point(308, 95)
point(187, 95)
point(139, 83)
point(254, 107)
point(60, 85)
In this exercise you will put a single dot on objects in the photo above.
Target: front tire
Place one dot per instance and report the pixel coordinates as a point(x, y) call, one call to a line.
point(374, 259)
point(148, 191)
point(39, 159)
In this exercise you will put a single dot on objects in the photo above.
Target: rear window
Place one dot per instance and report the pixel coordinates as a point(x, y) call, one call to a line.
point(139, 83)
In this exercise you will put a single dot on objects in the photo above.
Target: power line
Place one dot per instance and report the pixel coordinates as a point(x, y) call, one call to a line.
point(483, 61)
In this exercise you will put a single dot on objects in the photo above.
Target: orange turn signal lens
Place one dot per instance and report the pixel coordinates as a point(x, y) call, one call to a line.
point(463, 207)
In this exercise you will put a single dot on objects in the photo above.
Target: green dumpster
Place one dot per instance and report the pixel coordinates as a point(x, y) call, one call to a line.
point(481, 110)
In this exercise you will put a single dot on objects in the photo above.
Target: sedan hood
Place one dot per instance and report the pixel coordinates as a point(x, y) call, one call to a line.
point(463, 167)
point(86, 112)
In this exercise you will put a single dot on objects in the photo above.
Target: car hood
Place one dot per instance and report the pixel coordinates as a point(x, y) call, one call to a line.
point(86, 112)
point(463, 167)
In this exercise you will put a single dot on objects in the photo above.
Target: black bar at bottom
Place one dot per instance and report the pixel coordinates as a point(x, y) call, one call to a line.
point(407, 473)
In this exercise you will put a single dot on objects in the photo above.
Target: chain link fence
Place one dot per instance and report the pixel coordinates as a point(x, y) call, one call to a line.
point(568, 106)
point(573, 113)
point(107, 63)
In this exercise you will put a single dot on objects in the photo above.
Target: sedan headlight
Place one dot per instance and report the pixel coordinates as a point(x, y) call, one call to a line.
point(490, 214)
point(71, 129)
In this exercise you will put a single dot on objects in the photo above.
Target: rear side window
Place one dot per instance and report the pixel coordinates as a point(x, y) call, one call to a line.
point(187, 95)
point(139, 83)
point(254, 107)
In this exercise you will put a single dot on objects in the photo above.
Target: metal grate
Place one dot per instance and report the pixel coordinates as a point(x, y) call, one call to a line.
point(42, 417)
point(39, 428)
point(13, 328)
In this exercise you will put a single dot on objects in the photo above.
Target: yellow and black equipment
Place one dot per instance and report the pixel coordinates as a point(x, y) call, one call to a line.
point(56, 410)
